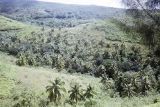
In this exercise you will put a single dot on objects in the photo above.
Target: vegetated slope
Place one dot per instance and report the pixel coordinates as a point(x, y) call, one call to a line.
point(15, 28)
point(82, 42)
point(15, 79)
point(87, 48)
point(19, 83)
point(54, 14)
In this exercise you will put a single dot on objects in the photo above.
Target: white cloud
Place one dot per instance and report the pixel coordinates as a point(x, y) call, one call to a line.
point(109, 3)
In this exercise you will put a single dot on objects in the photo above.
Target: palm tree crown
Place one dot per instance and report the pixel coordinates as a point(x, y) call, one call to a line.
point(55, 91)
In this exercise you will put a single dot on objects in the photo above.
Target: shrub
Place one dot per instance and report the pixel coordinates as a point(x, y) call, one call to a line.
point(22, 61)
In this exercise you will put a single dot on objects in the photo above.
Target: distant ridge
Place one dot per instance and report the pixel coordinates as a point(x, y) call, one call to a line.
point(41, 13)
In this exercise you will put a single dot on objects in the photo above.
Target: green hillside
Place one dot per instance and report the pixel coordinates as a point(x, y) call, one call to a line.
point(16, 80)
point(13, 27)
point(55, 14)
point(58, 55)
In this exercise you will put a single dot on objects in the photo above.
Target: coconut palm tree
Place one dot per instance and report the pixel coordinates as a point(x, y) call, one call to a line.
point(119, 85)
point(145, 86)
point(128, 90)
point(55, 91)
point(75, 94)
point(134, 83)
point(89, 92)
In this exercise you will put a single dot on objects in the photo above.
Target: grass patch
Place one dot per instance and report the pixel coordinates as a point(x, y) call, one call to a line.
point(12, 27)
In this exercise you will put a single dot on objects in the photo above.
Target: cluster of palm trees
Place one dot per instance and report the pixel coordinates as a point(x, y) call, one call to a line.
point(76, 94)
point(132, 84)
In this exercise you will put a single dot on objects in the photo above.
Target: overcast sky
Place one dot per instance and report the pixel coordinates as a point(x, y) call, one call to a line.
point(108, 3)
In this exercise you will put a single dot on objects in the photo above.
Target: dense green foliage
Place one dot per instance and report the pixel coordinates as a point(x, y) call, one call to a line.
point(145, 14)
point(78, 44)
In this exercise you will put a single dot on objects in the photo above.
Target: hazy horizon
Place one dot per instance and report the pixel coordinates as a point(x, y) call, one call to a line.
point(106, 3)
